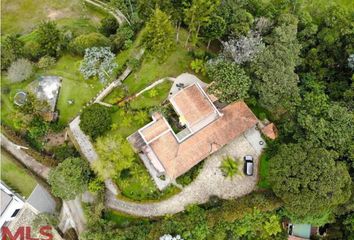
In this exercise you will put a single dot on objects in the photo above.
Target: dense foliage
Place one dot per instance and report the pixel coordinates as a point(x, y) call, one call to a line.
point(230, 81)
point(158, 35)
point(95, 120)
point(309, 181)
point(69, 178)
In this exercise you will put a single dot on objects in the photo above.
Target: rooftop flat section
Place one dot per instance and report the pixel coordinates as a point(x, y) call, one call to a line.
point(192, 104)
point(178, 158)
point(154, 129)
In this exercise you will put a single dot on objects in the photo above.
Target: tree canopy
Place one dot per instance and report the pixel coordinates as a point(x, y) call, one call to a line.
point(69, 178)
point(49, 38)
point(230, 81)
point(308, 180)
point(158, 35)
point(95, 120)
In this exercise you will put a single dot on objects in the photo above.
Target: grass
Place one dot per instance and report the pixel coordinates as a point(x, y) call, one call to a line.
point(151, 70)
point(22, 16)
point(152, 97)
point(74, 87)
point(263, 172)
point(123, 219)
point(15, 175)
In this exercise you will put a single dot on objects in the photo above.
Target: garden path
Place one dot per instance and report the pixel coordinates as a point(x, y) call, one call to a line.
point(210, 182)
point(72, 213)
point(121, 18)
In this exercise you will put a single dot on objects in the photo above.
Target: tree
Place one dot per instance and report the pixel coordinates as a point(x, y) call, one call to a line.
point(12, 48)
point(85, 41)
point(95, 120)
point(115, 154)
point(229, 167)
point(20, 70)
point(124, 34)
point(215, 29)
point(98, 62)
point(45, 62)
point(230, 81)
point(69, 178)
point(197, 14)
point(158, 35)
point(108, 26)
point(276, 82)
point(49, 38)
point(308, 180)
point(244, 49)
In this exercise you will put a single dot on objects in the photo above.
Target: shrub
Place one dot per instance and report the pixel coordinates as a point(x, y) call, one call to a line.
point(119, 40)
point(64, 151)
point(69, 178)
point(229, 167)
point(45, 62)
point(198, 66)
point(95, 120)
point(20, 70)
point(96, 185)
point(11, 49)
point(108, 26)
point(82, 42)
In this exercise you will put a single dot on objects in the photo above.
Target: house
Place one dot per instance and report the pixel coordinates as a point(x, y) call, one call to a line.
point(10, 204)
point(169, 150)
point(46, 89)
point(17, 212)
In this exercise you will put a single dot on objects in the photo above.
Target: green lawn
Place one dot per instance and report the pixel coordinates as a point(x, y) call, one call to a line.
point(123, 219)
point(151, 70)
point(74, 87)
point(15, 175)
point(21, 16)
point(152, 97)
point(263, 172)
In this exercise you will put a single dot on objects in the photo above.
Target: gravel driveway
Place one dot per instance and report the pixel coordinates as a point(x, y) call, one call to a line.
point(210, 181)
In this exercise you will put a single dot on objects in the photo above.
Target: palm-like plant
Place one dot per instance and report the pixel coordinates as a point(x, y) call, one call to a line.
point(229, 166)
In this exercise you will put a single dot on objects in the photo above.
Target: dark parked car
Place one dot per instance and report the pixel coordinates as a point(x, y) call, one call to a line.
point(248, 168)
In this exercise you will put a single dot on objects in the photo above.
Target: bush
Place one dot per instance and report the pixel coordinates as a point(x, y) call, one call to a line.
point(108, 26)
point(197, 65)
point(82, 42)
point(95, 120)
point(20, 70)
point(64, 151)
point(11, 49)
point(96, 185)
point(45, 62)
point(32, 50)
point(122, 37)
point(134, 63)
point(69, 178)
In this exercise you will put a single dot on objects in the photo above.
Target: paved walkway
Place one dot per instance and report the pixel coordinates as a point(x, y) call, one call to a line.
point(74, 214)
point(116, 13)
point(209, 182)
point(24, 158)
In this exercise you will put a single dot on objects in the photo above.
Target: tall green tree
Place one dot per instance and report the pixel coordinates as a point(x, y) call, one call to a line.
point(276, 82)
point(309, 181)
point(69, 178)
point(215, 29)
point(197, 13)
point(12, 48)
point(158, 35)
point(49, 38)
point(230, 81)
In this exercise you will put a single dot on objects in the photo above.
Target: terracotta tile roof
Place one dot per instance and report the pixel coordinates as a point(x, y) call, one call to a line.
point(178, 158)
point(270, 131)
point(155, 128)
point(192, 104)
